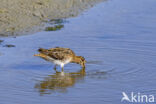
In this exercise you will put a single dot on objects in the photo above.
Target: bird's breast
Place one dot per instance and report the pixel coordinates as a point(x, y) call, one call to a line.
point(59, 62)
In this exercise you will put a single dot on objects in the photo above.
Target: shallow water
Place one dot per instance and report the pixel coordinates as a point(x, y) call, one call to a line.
point(116, 37)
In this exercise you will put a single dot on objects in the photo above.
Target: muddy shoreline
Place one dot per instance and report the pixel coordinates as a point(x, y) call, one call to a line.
point(20, 17)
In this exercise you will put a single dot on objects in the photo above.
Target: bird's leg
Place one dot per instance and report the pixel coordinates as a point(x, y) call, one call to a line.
point(62, 69)
point(62, 65)
point(62, 72)
point(55, 68)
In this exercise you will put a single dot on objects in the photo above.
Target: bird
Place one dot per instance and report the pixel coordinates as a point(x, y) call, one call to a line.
point(61, 56)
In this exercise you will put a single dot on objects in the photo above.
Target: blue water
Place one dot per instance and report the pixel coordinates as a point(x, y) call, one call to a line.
point(116, 37)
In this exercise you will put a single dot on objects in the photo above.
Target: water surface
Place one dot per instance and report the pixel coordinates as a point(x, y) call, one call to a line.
point(116, 37)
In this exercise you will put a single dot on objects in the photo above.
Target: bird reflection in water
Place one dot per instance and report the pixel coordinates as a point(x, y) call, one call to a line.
point(59, 82)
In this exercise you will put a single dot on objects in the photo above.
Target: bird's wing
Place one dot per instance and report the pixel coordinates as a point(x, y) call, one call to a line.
point(60, 53)
point(56, 55)
point(65, 50)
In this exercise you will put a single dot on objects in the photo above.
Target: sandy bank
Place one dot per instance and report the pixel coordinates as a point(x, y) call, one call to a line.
point(19, 17)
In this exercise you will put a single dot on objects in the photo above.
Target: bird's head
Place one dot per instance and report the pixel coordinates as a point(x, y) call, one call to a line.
point(80, 60)
point(42, 53)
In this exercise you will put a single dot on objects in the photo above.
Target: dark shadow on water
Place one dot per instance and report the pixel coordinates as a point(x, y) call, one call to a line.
point(6, 45)
point(9, 45)
point(55, 24)
point(57, 21)
point(59, 82)
point(1, 41)
point(54, 28)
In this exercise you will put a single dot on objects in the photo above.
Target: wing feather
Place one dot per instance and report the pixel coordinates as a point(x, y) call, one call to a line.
point(60, 53)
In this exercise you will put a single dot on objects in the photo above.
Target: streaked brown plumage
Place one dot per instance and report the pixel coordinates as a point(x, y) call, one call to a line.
point(61, 56)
